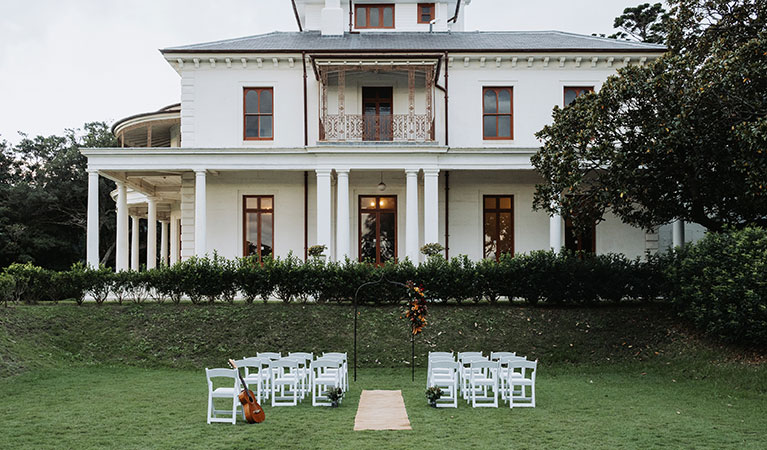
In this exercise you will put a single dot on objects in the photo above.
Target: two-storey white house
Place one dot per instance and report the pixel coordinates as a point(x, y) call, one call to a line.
point(375, 129)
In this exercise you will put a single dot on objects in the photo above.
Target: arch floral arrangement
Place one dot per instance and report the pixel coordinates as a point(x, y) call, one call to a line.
point(415, 313)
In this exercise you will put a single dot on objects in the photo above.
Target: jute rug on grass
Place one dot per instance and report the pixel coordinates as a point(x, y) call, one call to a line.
point(381, 410)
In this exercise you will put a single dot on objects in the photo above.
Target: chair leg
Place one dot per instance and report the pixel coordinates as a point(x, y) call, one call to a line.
point(210, 408)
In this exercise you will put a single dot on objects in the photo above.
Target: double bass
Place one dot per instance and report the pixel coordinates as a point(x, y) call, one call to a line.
point(253, 412)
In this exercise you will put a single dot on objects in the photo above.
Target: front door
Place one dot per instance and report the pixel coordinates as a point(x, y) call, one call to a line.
point(377, 113)
point(378, 228)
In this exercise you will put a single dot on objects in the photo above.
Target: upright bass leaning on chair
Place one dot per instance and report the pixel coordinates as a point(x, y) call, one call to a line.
point(253, 412)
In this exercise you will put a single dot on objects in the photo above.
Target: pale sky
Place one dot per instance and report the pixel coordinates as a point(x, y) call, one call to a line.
point(67, 62)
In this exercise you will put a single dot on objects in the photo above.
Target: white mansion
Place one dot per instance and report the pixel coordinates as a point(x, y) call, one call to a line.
point(377, 128)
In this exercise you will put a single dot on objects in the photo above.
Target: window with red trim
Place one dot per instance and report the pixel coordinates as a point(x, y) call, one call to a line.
point(258, 114)
point(497, 113)
point(374, 16)
point(258, 226)
point(573, 92)
point(498, 224)
point(425, 12)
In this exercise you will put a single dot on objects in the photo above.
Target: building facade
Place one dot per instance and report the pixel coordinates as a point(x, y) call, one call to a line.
point(375, 129)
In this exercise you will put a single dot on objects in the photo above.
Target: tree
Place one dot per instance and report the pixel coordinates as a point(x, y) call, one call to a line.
point(43, 198)
point(645, 23)
point(684, 137)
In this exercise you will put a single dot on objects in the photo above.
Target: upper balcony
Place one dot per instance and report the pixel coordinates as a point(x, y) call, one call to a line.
point(377, 101)
point(154, 129)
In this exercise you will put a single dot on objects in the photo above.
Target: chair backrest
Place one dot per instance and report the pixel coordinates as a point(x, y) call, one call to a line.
point(441, 359)
point(467, 360)
point(441, 354)
point(444, 364)
point(321, 363)
point(251, 363)
point(221, 373)
point(335, 354)
point(462, 355)
point(307, 356)
point(523, 365)
point(498, 355)
point(270, 355)
point(290, 363)
point(483, 364)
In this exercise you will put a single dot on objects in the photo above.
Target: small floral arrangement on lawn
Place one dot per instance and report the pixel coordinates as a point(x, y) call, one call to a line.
point(416, 308)
point(334, 395)
point(433, 394)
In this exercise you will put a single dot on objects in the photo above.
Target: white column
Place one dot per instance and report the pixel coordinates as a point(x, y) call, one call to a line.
point(323, 208)
point(134, 225)
point(200, 210)
point(164, 242)
point(342, 213)
point(121, 242)
point(174, 239)
point(92, 234)
point(430, 206)
point(151, 234)
point(555, 233)
point(678, 233)
point(411, 216)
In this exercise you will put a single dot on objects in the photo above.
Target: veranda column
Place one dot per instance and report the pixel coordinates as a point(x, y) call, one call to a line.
point(151, 234)
point(121, 241)
point(200, 226)
point(411, 216)
point(430, 206)
point(678, 233)
point(164, 242)
point(342, 212)
point(134, 243)
point(555, 233)
point(174, 240)
point(323, 208)
point(92, 235)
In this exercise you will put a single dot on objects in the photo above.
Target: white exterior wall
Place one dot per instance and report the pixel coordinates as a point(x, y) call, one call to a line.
point(405, 15)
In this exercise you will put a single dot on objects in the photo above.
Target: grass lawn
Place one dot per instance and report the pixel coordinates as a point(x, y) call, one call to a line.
point(631, 405)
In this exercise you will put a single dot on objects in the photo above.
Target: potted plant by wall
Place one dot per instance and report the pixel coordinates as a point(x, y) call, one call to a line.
point(432, 395)
point(334, 395)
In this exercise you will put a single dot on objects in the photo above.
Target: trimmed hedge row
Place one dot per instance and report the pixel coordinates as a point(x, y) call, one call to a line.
point(536, 277)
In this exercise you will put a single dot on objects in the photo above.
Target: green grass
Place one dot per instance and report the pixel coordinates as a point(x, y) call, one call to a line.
point(627, 406)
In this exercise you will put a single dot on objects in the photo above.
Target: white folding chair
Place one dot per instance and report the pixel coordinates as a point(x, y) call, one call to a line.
point(495, 356)
point(433, 359)
point(271, 355)
point(324, 373)
point(483, 381)
point(525, 377)
point(344, 367)
point(256, 375)
point(504, 371)
point(444, 375)
point(285, 382)
point(464, 361)
point(223, 392)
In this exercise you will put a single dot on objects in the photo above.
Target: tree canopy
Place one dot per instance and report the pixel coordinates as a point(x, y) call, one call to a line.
point(44, 198)
point(645, 23)
point(681, 138)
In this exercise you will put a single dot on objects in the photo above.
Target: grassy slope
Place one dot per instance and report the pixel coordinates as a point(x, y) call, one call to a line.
point(189, 336)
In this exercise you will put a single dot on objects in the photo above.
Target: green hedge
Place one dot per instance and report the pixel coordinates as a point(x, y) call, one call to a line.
point(536, 277)
point(720, 285)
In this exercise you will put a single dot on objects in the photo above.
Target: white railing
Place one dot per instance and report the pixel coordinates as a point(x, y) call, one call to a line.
point(370, 127)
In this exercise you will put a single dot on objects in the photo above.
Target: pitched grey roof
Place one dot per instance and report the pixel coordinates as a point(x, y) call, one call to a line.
point(471, 41)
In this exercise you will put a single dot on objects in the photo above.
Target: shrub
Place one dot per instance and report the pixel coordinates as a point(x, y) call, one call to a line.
point(254, 279)
point(97, 282)
point(136, 286)
point(167, 283)
point(433, 249)
point(121, 282)
point(30, 282)
point(720, 284)
point(7, 287)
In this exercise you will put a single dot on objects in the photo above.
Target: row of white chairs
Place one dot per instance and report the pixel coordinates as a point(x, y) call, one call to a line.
point(284, 380)
point(481, 380)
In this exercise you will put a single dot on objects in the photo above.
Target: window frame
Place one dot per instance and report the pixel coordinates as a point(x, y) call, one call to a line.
point(579, 90)
point(497, 211)
point(377, 211)
point(510, 114)
point(260, 211)
point(432, 11)
point(380, 6)
point(246, 114)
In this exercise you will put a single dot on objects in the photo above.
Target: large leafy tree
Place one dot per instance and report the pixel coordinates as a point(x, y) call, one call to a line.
point(645, 22)
point(684, 137)
point(43, 198)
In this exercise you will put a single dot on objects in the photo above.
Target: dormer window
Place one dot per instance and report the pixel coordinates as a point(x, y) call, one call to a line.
point(425, 12)
point(374, 16)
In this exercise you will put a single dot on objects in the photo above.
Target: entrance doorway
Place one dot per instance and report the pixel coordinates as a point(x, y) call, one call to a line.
point(580, 242)
point(377, 228)
point(377, 108)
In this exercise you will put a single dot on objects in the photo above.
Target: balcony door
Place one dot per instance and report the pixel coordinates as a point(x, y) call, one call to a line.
point(377, 110)
point(377, 228)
